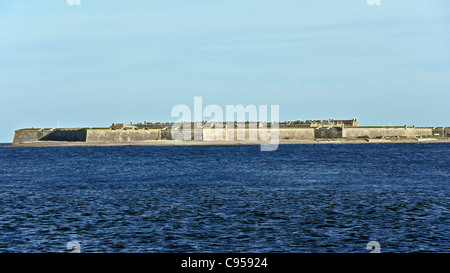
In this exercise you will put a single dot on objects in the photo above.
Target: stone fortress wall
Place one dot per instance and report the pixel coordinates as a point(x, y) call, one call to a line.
point(216, 134)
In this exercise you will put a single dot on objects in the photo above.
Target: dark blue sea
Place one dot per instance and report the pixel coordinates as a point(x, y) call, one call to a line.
point(299, 198)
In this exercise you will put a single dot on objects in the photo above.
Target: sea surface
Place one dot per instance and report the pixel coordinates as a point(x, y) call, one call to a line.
point(299, 198)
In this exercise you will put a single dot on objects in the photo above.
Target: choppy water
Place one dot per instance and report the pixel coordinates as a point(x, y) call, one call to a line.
point(300, 198)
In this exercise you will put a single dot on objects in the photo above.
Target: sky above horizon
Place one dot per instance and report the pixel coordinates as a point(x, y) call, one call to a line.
point(101, 62)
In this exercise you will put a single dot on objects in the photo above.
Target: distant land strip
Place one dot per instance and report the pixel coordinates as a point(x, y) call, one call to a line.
point(202, 134)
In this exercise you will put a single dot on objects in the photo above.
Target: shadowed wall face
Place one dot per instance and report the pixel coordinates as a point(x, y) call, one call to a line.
point(66, 135)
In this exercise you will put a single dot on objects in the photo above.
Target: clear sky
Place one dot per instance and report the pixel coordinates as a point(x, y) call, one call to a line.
point(115, 61)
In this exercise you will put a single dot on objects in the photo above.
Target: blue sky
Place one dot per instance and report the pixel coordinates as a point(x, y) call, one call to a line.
point(115, 61)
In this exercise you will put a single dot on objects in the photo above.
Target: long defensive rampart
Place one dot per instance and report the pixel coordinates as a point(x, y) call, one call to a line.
point(122, 135)
point(379, 132)
point(210, 135)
